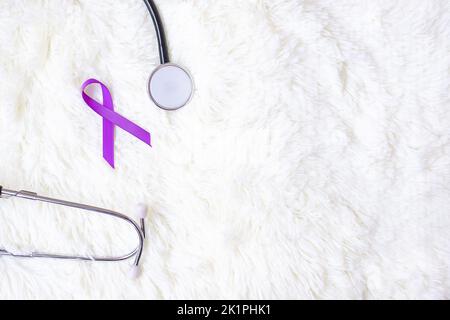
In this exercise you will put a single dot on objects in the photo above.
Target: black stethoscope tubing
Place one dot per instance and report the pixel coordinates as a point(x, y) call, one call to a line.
point(160, 34)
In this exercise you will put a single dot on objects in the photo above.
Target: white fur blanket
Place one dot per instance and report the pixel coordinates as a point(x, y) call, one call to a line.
point(313, 161)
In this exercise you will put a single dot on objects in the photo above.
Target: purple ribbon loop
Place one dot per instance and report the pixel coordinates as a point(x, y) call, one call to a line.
point(112, 119)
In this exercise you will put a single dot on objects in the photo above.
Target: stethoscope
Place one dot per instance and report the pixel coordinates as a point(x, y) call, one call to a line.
point(138, 227)
point(170, 87)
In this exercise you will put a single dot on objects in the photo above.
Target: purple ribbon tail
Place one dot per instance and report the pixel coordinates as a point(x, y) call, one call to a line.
point(108, 147)
point(108, 128)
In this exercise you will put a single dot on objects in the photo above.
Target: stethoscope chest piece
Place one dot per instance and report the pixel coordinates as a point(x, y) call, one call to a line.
point(170, 86)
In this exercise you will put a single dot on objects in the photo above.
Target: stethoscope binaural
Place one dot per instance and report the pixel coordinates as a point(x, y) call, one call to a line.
point(139, 228)
point(170, 86)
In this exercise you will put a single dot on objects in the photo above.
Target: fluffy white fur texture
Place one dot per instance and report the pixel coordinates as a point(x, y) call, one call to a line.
point(313, 161)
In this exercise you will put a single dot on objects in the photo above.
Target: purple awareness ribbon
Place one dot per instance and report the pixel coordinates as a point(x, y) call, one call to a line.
point(111, 119)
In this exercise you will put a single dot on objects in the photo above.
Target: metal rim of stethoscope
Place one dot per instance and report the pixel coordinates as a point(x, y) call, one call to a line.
point(139, 228)
point(188, 74)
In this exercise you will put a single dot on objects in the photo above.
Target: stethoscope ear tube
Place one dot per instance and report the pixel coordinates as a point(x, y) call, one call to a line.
point(137, 226)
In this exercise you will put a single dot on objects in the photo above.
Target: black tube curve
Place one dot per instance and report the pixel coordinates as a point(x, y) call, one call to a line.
point(159, 28)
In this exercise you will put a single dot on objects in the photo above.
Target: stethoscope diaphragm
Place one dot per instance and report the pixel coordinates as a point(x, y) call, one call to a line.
point(170, 86)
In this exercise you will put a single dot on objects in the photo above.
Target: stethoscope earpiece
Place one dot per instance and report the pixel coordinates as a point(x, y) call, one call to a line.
point(170, 86)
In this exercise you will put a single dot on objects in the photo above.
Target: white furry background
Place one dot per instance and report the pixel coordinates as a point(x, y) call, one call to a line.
point(313, 161)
